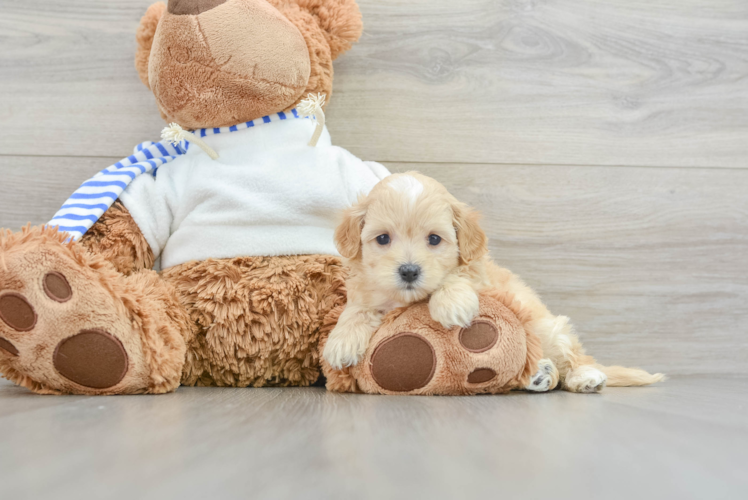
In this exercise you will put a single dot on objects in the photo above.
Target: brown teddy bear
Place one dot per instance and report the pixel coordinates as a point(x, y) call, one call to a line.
point(413, 354)
point(240, 212)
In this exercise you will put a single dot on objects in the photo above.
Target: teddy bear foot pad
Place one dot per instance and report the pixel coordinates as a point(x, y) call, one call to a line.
point(92, 357)
point(413, 354)
point(69, 323)
point(407, 361)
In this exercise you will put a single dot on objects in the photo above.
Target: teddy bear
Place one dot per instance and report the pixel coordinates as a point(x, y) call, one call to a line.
point(412, 354)
point(237, 206)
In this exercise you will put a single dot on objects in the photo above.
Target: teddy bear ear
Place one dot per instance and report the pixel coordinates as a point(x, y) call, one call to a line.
point(144, 37)
point(339, 19)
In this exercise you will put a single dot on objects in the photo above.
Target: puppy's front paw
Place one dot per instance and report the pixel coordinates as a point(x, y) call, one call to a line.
point(454, 306)
point(545, 379)
point(344, 350)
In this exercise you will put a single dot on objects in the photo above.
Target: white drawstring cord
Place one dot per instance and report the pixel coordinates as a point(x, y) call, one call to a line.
point(175, 134)
point(312, 107)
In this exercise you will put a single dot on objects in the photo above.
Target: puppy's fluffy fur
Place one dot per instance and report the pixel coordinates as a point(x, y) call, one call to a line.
point(397, 225)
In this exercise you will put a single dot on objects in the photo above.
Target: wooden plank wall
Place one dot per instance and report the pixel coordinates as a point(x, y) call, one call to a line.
point(605, 141)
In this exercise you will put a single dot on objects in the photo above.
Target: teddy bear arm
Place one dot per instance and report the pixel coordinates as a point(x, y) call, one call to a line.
point(117, 238)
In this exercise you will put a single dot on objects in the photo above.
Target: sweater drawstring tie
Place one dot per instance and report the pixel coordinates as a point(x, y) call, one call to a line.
point(312, 107)
point(176, 134)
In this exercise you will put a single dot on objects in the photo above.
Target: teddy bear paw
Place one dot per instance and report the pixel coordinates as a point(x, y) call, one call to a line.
point(61, 329)
point(413, 354)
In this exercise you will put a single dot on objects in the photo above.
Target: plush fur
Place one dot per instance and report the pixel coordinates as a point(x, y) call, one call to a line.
point(257, 319)
point(141, 310)
point(228, 322)
point(244, 60)
point(144, 39)
point(226, 298)
point(424, 226)
point(514, 358)
point(117, 239)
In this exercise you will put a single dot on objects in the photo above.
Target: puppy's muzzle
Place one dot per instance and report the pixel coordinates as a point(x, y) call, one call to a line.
point(409, 272)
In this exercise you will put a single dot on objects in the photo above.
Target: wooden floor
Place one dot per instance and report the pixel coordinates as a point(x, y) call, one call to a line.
point(682, 440)
point(606, 143)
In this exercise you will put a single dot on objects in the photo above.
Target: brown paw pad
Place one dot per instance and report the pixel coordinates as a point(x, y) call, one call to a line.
point(8, 347)
point(481, 375)
point(92, 358)
point(403, 363)
point(16, 312)
point(479, 337)
point(56, 287)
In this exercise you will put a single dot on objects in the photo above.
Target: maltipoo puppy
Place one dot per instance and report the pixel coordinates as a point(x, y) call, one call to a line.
point(411, 240)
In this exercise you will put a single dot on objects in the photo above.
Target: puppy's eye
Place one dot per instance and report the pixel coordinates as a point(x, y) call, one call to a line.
point(383, 239)
point(434, 240)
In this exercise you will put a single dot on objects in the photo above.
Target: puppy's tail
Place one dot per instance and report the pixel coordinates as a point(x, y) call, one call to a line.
point(619, 376)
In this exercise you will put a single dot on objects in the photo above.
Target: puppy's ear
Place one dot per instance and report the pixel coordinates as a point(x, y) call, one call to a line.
point(471, 239)
point(348, 232)
point(144, 37)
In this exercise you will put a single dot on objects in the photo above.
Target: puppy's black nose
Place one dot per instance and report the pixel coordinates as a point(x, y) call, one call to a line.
point(409, 272)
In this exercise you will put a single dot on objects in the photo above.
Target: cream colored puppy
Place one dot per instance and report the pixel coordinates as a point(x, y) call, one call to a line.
point(409, 240)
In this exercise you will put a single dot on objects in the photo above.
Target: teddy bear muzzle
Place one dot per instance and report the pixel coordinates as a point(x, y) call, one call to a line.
point(192, 7)
point(226, 62)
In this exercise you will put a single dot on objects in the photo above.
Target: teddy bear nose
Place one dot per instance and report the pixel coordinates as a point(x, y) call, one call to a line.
point(192, 7)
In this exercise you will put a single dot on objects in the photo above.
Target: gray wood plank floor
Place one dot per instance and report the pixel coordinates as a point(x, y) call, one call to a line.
point(581, 82)
point(683, 439)
point(606, 143)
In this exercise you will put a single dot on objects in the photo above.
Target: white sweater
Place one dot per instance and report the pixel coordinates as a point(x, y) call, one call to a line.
point(267, 194)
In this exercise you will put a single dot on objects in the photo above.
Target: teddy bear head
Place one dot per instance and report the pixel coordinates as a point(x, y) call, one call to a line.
point(215, 63)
